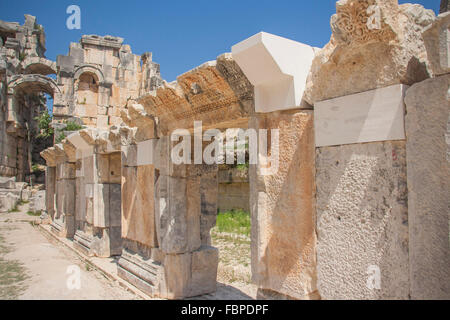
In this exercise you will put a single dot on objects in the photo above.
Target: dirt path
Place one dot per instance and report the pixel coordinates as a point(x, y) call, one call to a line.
point(32, 267)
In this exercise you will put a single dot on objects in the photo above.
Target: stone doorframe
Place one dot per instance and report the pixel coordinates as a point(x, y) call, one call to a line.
point(175, 259)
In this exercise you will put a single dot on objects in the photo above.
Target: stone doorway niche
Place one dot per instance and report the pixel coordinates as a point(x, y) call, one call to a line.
point(98, 194)
point(98, 203)
point(25, 102)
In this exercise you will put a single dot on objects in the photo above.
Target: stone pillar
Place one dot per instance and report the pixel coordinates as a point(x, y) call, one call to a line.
point(64, 222)
point(167, 213)
point(428, 164)
point(362, 210)
point(80, 214)
point(428, 167)
point(282, 182)
point(50, 190)
point(100, 234)
point(283, 240)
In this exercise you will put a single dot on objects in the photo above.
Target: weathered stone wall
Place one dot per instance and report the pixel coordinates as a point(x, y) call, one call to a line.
point(23, 70)
point(98, 77)
point(352, 198)
point(234, 190)
point(428, 163)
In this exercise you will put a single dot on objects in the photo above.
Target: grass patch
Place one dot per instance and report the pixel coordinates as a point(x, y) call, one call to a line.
point(34, 213)
point(15, 208)
point(235, 221)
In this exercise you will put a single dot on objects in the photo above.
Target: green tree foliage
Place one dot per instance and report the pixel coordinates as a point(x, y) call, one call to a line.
point(44, 124)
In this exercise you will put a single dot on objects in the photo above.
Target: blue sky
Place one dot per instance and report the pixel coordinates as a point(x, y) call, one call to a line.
point(181, 34)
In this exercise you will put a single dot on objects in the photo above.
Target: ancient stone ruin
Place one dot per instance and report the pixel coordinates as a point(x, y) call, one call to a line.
point(353, 182)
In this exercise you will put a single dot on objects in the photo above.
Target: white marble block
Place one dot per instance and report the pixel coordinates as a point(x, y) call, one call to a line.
point(376, 115)
point(277, 67)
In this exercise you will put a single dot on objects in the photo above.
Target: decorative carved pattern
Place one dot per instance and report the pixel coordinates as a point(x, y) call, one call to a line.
point(212, 93)
point(360, 21)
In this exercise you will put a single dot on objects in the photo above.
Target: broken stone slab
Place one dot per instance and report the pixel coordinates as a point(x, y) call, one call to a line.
point(437, 42)
point(8, 199)
point(374, 44)
point(376, 115)
point(7, 183)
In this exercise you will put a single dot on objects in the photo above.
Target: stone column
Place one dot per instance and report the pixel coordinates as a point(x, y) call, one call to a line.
point(282, 182)
point(428, 167)
point(50, 190)
point(282, 207)
point(100, 234)
point(167, 212)
point(362, 211)
point(64, 222)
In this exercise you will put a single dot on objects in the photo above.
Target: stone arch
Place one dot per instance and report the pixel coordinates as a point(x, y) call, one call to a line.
point(33, 83)
point(38, 65)
point(87, 79)
point(89, 69)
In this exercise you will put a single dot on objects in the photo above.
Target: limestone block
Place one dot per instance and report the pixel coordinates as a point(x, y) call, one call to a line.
point(129, 155)
point(101, 206)
point(50, 181)
point(177, 209)
point(114, 205)
point(277, 67)
point(109, 166)
point(138, 210)
point(437, 42)
point(282, 207)
point(102, 110)
point(89, 110)
point(89, 189)
point(89, 169)
point(190, 274)
point(66, 170)
point(145, 152)
point(209, 190)
point(204, 271)
point(80, 207)
point(7, 183)
point(428, 164)
point(68, 194)
point(107, 199)
point(376, 115)
point(374, 44)
point(102, 121)
point(362, 221)
point(115, 165)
